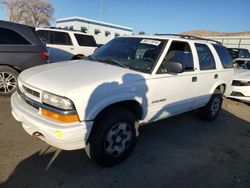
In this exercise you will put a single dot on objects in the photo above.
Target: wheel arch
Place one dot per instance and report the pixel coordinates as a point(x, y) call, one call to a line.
point(219, 86)
point(13, 67)
point(133, 105)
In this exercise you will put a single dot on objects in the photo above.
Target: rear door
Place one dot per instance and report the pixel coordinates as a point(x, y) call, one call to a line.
point(207, 76)
point(58, 43)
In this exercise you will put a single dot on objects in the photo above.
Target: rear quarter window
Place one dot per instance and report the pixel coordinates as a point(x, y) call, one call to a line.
point(10, 37)
point(85, 40)
point(224, 56)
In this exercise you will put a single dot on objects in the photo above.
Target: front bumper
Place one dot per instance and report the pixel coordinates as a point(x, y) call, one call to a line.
point(241, 93)
point(66, 136)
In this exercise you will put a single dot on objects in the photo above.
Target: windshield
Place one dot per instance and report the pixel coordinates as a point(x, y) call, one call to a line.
point(246, 65)
point(242, 64)
point(138, 54)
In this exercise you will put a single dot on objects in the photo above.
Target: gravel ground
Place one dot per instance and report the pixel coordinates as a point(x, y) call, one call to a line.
point(181, 151)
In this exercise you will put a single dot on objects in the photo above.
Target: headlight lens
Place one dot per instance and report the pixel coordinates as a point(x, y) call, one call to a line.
point(57, 101)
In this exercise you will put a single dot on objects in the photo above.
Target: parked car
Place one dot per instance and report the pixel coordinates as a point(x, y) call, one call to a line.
point(238, 53)
point(64, 44)
point(242, 63)
point(20, 48)
point(241, 83)
point(98, 103)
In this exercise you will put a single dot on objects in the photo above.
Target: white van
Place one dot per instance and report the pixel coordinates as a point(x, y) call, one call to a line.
point(65, 44)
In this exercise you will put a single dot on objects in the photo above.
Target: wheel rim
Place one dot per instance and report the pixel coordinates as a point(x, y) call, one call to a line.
point(7, 82)
point(215, 108)
point(118, 139)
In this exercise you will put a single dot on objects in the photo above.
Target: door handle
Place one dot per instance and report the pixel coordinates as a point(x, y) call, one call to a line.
point(194, 79)
point(72, 48)
point(215, 76)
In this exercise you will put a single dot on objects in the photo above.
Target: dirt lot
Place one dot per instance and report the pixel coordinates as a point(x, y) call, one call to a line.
point(182, 151)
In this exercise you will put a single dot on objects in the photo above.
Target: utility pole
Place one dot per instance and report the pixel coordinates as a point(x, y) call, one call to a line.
point(100, 9)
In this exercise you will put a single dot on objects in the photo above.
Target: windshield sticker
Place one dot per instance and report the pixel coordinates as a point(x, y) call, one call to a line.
point(152, 42)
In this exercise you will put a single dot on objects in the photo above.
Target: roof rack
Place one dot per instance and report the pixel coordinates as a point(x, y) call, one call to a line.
point(191, 37)
point(65, 29)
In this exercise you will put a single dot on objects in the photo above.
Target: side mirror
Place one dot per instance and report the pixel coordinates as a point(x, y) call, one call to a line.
point(174, 67)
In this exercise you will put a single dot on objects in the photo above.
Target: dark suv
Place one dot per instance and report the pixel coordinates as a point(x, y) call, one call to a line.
point(20, 48)
point(238, 53)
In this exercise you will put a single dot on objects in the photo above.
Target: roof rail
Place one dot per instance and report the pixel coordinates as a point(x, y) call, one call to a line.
point(65, 29)
point(191, 37)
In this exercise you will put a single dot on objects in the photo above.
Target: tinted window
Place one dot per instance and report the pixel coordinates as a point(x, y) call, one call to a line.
point(233, 52)
point(179, 52)
point(243, 53)
point(85, 40)
point(61, 38)
point(224, 55)
point(8, 36)
point(206, 58)
point(44, 36)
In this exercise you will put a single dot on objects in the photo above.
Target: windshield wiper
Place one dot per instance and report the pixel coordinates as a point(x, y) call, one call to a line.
point(114, 62)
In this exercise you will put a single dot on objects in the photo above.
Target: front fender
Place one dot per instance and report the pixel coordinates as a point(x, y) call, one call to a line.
point(93, 111)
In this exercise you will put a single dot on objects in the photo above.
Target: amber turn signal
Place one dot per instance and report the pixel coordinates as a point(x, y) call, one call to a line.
point(60, 117)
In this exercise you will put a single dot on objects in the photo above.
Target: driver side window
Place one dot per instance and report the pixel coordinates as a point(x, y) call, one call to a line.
point(178, 52)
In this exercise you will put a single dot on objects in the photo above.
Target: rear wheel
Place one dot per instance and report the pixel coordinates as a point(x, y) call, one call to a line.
point(113, 137)
point(8, 80)
point(213, 107)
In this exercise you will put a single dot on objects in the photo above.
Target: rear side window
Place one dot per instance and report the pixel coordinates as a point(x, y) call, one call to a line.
point(44, 36)
point(224, 55)
point(206, 58)
point(60, 38)
point(11, 37)
point(85, 40)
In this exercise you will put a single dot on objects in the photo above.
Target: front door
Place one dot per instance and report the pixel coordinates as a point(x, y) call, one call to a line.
point(171, 94)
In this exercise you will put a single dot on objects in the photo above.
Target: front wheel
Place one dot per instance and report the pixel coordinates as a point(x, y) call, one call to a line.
point(113, 137)
point(213, 107)
point(8, 80)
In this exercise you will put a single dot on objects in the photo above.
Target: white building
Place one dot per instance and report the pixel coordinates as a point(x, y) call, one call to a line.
point(102, 31)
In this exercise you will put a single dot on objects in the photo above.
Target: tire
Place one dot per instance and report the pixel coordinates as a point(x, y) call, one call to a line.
point(77, 57)
point(8, 80)
point(113, 137)
point(213, 107)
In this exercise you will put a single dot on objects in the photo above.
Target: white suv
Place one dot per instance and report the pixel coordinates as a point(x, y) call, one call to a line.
point(98, 103)
point(65, 44)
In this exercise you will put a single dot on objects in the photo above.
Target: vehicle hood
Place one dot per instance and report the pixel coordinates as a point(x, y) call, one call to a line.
point(67, 77)
point(241, 74)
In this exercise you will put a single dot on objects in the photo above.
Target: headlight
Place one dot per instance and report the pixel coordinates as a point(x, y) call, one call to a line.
point(57, 101)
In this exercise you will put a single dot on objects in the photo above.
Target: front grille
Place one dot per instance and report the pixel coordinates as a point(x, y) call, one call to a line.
point(31, 103)
point(240, 83)
point(32, 92)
